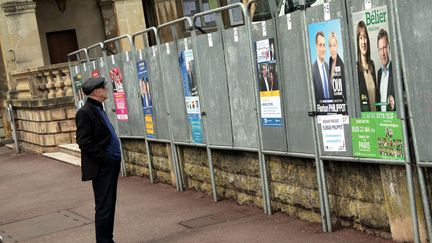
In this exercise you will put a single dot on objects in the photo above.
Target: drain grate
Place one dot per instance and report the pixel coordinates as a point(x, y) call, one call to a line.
point(213, 219)
point(41, 225)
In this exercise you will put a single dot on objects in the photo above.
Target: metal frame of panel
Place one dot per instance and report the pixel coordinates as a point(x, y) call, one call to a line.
point(416, 81)
point(176, 164)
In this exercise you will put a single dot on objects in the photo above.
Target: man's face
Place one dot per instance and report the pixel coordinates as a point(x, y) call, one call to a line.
point(101, 93)
point(264, 70)
point(383, 50)
point(321, 50)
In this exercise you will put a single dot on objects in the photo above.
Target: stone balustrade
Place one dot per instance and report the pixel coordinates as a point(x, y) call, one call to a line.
point(47, 82)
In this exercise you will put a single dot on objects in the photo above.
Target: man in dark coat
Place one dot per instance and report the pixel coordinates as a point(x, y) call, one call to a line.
point(100, 155)
point(386, 92)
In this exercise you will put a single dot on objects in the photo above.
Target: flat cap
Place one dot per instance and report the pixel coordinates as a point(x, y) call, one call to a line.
point(93, 83)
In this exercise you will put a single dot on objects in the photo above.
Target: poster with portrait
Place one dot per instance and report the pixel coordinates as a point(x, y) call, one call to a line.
point(374, 66)
point(268, 83)
point(328, 74)
point(190, 90)
point(146, 98)
point(79, 96)
point(119, 94)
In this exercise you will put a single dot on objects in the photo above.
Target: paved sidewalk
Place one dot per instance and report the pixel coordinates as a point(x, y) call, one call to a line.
point(43, 200)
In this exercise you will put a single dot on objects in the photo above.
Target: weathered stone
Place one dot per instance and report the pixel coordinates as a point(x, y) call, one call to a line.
point(58, 114)
point(197, 172)
point(159, 149)
point(239, 197)
point(161, 163)
point(237, 162)
point(52, 127)
point(163, 177)
point(295, 195)
point(132, 169)
point(49, 139)
point(67, 126)
point(70, 113)
point(136, 158)
point(200, 186)
point(293, 172)
point(195, 155)
point(62, 138)
point(247, 184)
point(398, 205)
point(135, 145)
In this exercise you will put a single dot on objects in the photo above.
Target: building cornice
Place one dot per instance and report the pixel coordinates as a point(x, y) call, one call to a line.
point(18, 7)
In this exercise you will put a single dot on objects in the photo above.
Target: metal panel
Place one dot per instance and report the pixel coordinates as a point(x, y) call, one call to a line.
point(296, 95)
point(337, 11)
point(98, 67)
point(241, 88)
point(133, 96)
point(214, 88)
point(174, 89)
point(273, 137)
point(415, 37)
point(116, 61)
point(158, 92)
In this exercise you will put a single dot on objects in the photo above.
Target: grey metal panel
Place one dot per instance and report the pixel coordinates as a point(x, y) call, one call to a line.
point(214, 89)
point(133, 96)
point(101, 67)
point(174, 89)
point(337, 11)
point(158, 93)
point(123, 125)
point(241, 88)
point(296, 96)
point(416, 34)
point(274, 138)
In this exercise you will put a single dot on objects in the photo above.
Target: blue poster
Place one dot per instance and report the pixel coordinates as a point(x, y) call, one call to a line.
point(328, 74)
point(146, 99)
point(193, 111)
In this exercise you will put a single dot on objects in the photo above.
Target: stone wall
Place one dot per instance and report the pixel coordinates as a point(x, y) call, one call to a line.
point(367, 197)
point(43, 124)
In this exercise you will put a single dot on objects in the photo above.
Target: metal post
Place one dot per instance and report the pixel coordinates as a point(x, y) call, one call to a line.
point(12, 122)
point(318, 163)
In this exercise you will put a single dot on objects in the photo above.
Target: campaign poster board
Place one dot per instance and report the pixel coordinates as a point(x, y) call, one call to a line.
point(119, 94)
point(268, 83)
point(327, 60)
point(190, 90)
point(146, 97)
point(378, 135)
point(373, 60)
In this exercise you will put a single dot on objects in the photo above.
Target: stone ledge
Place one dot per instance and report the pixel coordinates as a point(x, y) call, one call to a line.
point(42, 103)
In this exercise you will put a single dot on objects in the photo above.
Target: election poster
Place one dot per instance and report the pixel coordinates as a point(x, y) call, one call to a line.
point(146, 98)
point(190, 90)
point(79, 96)
point(332, 127)
point(378, 135)
point(328, 74)
point(119, 94)
point(373, 57)
point(268, 83)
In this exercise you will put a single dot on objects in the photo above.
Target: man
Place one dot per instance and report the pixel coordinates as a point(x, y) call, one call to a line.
point(100, 155)
point(320, 71)
point(191, 80)
point(265, 84)
point(385, 76)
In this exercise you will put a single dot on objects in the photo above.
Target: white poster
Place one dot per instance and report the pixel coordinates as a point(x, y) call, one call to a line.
point(333, 135)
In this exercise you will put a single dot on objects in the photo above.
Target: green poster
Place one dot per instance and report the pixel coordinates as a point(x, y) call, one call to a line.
point(378, 135)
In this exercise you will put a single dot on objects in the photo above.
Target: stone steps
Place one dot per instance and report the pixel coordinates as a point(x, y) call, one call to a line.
point(68, 153)
point(64, 157)
point(72, 149)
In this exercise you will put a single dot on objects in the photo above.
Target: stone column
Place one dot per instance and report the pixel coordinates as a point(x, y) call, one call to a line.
point(130, 19)
point(23, 33)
